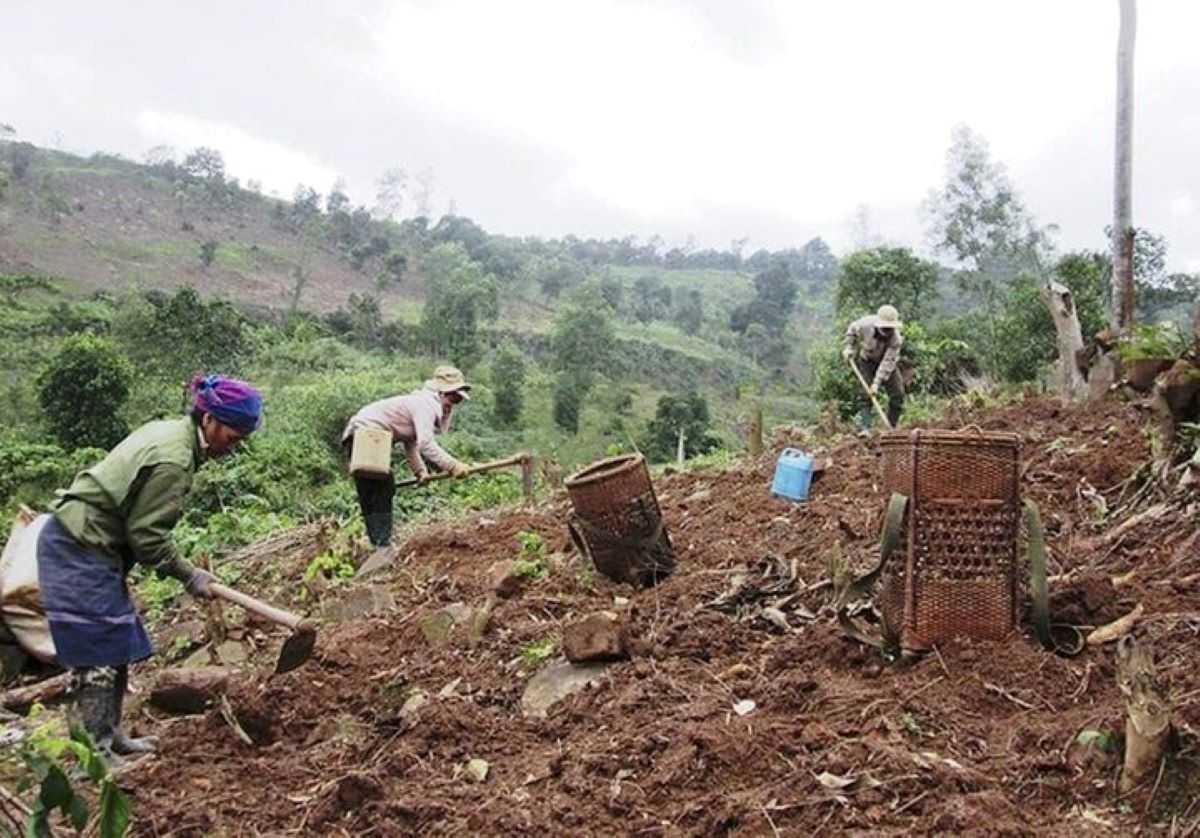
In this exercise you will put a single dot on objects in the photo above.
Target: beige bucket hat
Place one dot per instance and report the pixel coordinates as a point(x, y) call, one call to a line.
point(888, 318)
point(448, 379)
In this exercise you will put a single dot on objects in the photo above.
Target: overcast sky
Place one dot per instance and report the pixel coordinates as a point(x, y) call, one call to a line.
point(714, 119)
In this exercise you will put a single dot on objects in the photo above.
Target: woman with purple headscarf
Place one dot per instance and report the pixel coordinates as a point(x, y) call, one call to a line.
point(119, 513)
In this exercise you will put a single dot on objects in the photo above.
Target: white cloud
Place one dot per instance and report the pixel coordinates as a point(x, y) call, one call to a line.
point(279, 168)
point(856, 105)
point(1182, 207)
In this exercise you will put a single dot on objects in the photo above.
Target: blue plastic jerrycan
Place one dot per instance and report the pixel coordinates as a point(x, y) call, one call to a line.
point(793, 475)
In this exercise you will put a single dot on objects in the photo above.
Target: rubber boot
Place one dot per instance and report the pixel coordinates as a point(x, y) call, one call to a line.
point(97, 705)
point(863, 422)
point(379, 529)
point(122, 742)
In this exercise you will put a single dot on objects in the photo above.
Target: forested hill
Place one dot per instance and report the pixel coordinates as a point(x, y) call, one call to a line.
point(104, 222)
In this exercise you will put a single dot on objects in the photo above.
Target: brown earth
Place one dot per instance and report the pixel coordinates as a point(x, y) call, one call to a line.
point(974, 738)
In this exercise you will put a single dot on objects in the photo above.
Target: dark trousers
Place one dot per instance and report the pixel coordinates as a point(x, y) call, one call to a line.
point(893, 386)
point(375, 497)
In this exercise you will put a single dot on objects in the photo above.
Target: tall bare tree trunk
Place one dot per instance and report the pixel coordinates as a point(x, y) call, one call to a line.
point(1121, 314)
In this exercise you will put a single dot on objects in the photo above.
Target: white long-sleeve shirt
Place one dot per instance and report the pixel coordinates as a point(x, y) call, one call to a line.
point(412, 419)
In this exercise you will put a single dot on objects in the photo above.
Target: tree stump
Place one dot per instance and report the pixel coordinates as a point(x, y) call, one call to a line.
point(1176, 400)
point(1148, 716)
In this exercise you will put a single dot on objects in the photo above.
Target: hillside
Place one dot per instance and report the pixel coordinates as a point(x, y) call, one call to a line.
point(107, 223)
point(103, 222)
point(977, 737)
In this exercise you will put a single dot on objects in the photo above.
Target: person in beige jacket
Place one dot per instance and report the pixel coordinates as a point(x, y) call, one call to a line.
point(413, 420)
point(873, 344)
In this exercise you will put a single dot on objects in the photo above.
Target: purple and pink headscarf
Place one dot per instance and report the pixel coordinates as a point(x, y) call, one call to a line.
point(230, 401)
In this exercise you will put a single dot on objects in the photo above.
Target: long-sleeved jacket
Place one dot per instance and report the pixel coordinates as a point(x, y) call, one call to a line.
point(412, 419)
point(862, 337)
point(126, 505)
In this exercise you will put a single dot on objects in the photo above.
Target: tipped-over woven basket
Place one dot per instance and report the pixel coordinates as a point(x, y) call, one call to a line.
point(617, 522)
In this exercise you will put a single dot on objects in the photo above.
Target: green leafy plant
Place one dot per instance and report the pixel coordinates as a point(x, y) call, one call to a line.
point(685, 414)
point(535, 653)
point(56, 765)
point(1100, 739)
point(508, 377)
point(587, 574)
point(155, 592)
point(178, 646)
point(208, 252)
point(531, 563)
point(334, 566)
point(1153, 341)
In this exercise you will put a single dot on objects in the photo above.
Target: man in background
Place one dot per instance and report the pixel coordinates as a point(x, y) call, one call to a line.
point(872, 343)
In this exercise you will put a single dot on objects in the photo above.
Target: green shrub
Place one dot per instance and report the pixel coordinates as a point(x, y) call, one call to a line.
point(1153, 341)
point(570, 389)
point(538, 652)
point(82, 390)
point(30, 472)
point(508, 377)
point(942, 359)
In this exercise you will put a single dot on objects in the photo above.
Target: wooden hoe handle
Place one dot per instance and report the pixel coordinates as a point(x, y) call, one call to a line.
point(256, 606)
point(867, 389)
point(491, 465)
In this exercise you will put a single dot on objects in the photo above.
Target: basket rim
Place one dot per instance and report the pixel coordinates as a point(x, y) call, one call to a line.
point(970, 436)
point(601, 469)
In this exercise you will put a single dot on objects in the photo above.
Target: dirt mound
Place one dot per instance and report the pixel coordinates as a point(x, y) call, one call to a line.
point(727, 719)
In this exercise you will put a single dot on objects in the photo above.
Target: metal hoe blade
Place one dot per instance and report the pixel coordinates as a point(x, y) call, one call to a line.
point(296, 650)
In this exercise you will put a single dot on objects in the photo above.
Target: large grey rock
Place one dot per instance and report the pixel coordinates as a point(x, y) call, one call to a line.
point(557, 681)
point(228, 653)
point(381, 559)
point(359, 603)
point(439, 626)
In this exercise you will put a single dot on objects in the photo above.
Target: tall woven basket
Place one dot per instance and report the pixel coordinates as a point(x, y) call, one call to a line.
point(957, 574)
point(617, 522)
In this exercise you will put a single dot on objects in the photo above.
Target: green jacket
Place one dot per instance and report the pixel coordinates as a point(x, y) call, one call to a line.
point(126, 505)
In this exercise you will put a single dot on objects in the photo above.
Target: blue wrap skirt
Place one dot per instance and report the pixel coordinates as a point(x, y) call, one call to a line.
point(86, 598)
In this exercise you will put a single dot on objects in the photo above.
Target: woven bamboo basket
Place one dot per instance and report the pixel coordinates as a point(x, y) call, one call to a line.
point(957, 574)
point(617, 521)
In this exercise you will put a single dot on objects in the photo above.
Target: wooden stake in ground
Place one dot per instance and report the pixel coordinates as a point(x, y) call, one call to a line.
point(1148, 719)
point(756, 432)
